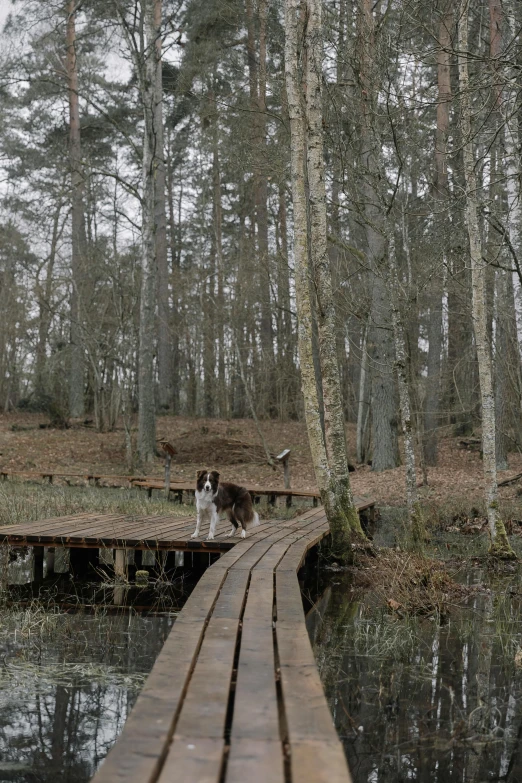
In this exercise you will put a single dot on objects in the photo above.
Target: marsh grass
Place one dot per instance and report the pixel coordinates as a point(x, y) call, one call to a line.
point(27, 502)
point(409, 583)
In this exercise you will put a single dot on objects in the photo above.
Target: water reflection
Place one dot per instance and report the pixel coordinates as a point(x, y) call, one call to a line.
point(414, 699)
point(67, 684)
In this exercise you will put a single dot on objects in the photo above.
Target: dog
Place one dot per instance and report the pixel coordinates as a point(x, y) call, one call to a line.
point(213, 496)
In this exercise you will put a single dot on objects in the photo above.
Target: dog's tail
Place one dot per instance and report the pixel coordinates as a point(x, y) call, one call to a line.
point(255, 522)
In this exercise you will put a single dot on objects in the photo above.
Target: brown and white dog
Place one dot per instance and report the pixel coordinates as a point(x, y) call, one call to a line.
point(212, 496)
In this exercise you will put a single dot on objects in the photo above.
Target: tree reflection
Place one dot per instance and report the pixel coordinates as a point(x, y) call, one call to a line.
point(417, 699)
point(60, 731)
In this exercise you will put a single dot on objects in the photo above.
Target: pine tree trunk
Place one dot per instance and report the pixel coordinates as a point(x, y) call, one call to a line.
point(79, 241)
point(499, 542)
point(176, 282)
point(385, 443)
point(165, 370)
point(432, 404)
point(257, 88)
point(217, 217)
point(146, 403)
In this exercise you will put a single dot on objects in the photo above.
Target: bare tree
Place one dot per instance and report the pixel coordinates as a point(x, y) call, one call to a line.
point(305, 112)
point(500, 546)
point(79, 241)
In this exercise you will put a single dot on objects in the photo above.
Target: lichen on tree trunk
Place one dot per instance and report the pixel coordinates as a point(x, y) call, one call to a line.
point(305, 112)
point(500, 546)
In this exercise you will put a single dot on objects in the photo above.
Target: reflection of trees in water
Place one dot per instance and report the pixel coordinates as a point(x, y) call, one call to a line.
point(61, 735)
point(58, 732)
point(417, 700)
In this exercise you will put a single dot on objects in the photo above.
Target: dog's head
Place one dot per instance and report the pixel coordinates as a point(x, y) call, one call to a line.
point(207, 481)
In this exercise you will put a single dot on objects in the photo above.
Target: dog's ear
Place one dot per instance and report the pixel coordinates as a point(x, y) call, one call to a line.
point(215, 474)
point(200, 474)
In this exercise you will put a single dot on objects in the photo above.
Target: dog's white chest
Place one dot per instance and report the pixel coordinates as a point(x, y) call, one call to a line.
point(204, 499)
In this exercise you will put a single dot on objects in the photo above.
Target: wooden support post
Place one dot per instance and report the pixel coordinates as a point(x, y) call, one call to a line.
point(168, 459)
point(284, 459)
point(315, 502)
point(38, 563)
point(179, 559)
point(169, 451)
point(120, 564)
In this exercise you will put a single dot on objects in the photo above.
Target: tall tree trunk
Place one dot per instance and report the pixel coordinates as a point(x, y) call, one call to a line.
point(431, 419)
point(146, 403)
point(412, 499)
point(44, 311)
point(79, 241)
point(499, 542)
point(383, 397)
point(219, 302)
point(165, 370)
point(328, 451)
point(257, 86)
point(175, 248)
point(363, 403)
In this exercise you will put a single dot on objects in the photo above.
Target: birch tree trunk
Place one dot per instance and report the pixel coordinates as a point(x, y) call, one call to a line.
point(328, 451)
point(79, 240)
point(500, 546)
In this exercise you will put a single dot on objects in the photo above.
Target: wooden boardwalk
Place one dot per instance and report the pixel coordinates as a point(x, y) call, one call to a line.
point(114, 531)
point(235, 695)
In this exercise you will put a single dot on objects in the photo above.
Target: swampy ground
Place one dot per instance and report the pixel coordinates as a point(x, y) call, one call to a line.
point(421, 658)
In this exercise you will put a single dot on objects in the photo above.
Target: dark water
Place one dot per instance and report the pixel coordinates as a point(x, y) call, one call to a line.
point(416, 699)
point(67, 684)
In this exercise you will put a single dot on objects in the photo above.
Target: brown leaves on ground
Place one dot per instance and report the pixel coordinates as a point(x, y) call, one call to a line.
point(233, 446)
point(408, 584)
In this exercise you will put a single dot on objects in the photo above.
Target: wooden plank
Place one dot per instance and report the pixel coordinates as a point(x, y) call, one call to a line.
point(198, 760)
point(256, 761)
point(319, 762)
point(289, 606)
point(256, 710)
point(206, 703)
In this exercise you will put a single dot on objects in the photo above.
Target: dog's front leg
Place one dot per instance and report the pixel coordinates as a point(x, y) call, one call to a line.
point(195, 534)
point(213, 522)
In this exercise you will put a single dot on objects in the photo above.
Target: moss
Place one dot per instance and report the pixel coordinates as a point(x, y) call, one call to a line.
point(417, 528)
point(500, 547)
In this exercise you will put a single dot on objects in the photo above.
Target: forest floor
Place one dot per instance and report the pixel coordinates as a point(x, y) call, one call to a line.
point(233, 447)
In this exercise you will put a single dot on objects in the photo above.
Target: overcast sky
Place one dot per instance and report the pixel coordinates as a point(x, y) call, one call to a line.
point(5, 7)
